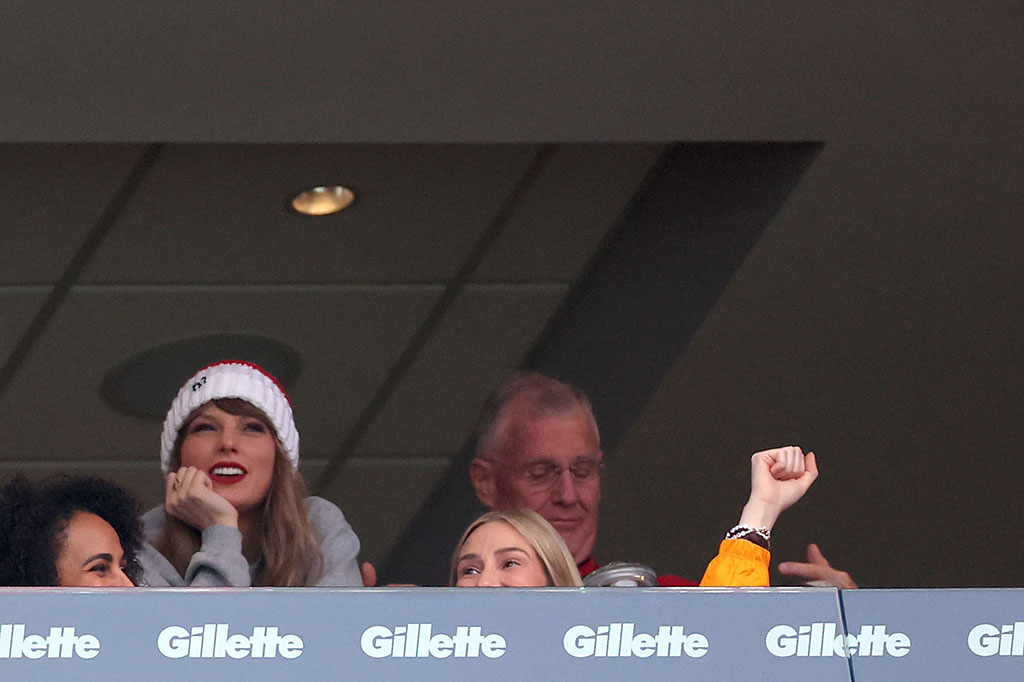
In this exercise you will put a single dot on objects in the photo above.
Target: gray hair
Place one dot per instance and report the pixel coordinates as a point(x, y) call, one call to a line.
point(540, 394)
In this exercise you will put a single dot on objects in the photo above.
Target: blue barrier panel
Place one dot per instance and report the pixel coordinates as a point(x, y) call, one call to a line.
point(418, 633)
point(962, 634)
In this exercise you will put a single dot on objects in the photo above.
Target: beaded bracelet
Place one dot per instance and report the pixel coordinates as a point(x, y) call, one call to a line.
point(760, 536)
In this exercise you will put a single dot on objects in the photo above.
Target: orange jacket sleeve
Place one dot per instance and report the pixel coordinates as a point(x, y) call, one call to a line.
point(739, 563)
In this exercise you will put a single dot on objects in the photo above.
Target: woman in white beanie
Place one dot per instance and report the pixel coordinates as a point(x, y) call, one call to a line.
point(235, 512)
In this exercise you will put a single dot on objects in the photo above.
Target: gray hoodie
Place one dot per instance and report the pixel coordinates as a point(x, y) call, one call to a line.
point(219, 561)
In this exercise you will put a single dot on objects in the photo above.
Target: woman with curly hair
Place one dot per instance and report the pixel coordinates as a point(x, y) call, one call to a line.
point(68, 532)
point(235, 512)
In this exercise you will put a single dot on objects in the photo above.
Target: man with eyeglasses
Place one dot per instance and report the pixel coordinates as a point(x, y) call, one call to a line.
point(538, 448)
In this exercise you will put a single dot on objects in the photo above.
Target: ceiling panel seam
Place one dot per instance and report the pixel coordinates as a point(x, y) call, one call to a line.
point(24, 288)
point(444, 302)
point(184, 287)
point(260, 287)
point(401, 462)
point(21, 465)
point(102, 227)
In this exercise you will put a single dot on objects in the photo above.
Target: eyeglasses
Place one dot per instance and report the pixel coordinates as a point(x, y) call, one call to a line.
point(544, 475)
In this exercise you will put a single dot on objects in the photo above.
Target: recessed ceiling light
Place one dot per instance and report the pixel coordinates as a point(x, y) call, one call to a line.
point(322, 200)
point(145, 384)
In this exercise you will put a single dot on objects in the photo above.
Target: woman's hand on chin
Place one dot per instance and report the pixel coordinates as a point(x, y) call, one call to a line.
point(191, 499)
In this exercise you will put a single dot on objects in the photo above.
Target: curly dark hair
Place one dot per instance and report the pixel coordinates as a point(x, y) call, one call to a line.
point(34, 519)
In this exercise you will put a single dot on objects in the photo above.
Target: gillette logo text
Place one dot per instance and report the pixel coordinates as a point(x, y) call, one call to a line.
point(62, 642)
point(991, 640)
point(621, 639)
point(212, 640)
point(820, 639)
point(417, 641)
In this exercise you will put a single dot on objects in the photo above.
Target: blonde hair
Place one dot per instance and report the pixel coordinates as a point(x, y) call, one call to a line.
point(545, 540)
point(290, 553)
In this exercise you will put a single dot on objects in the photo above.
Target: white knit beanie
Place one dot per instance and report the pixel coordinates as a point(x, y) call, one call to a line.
point(232, 379)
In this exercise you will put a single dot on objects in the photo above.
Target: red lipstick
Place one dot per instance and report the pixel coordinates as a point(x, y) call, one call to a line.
point(227, 472)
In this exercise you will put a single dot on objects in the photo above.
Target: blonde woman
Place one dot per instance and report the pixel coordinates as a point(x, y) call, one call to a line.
point(512, 549)
point(235, 512)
